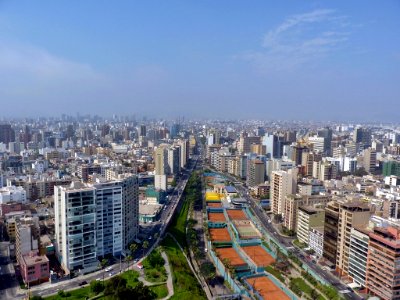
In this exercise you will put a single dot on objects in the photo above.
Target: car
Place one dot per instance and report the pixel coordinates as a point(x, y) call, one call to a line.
point(109, 269)
point(110, 274)
point(83, 283)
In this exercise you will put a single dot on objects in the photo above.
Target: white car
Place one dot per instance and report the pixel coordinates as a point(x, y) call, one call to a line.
point(109, 269)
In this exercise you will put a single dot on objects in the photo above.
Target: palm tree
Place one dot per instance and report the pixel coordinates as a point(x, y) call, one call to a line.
point(133, 247)
point(103, 263)
point(129, 258)
point(145, 246)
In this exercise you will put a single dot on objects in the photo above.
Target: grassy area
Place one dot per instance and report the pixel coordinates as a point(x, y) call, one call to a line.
point(185, 283)
point(266, 245)
point(299, 244)
point(84, 292)
point(301, 285)
point(132, 278)
point(77, 294)
point(154, 269)
point(160, 290)
point(178, 225)
point(276, 273)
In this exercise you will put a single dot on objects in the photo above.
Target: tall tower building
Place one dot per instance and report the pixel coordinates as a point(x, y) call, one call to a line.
point(7, 134)
point(95, 220)
point(255, 172)
point(161, 168)
point(283, 183)
point(351, 214)
point(383, 270)
point(75, 227)
point(326, 133)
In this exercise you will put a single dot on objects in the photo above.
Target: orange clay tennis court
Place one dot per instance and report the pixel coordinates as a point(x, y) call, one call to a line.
point(214, 204)
point(267, 289)
point(260, 257)
point(231, 255)
point(236, 214)
point(220, 235)
point(216, 217)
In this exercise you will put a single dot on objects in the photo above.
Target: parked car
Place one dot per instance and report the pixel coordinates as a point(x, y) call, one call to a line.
point(83, 283)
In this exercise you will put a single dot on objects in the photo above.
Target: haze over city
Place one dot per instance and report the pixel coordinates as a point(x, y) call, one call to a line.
point(307, 60)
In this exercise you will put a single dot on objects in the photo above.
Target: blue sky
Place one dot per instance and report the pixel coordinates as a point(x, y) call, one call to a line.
point(318, 60)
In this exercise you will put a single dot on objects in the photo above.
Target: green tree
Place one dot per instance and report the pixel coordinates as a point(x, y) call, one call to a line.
point(208, 270)
point(133, 247)
point(103, 264)
point(145, 245)
point(128, 259)
point(96, 287)
point(143, 292)
point(37, 297)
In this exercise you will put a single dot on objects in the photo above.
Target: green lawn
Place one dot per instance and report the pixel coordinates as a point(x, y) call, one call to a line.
point(154, 269)
point(185, 283)
point(178, 224)
point(274, 272)
point(77, 294)
point(160, 290)
point(131, 277)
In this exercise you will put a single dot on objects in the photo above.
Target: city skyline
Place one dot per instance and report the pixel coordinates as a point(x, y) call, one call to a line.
point(308, 60)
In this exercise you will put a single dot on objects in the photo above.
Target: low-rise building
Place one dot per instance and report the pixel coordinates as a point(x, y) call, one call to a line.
point(35, 269)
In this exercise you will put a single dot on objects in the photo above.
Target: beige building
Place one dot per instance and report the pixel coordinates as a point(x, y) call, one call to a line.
point(351, 214)
point(293, 202)
point(308, 218)
point(283, 183)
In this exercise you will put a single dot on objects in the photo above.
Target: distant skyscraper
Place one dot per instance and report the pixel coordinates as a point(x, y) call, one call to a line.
point(174, 130)
point(362, 136)
point(142, 130)
point(326, 133)
point(7, 134)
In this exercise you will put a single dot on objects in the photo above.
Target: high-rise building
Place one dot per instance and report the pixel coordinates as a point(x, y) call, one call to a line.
point(383, 271)
point(75, 227)
point(351, 214)
point(7, 134)
point(358, 254)
point(174, 157)
point(274, 145)
point(142, 130)
point(292, 204)
point(369, 160)
point(331, 231)
point(362, 136)
point(255, 172)
point(95, 220)
point(391, 167)
point(326, 133)
point(283, 183)
point(245, 142)
point(184, 152)
point(297, 152)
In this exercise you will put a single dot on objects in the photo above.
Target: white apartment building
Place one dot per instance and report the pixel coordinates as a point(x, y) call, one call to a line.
point(283, 183)
point(95, 220)
point(12, 194)
point(75, 227)
point(358, 253)
point(316, 240)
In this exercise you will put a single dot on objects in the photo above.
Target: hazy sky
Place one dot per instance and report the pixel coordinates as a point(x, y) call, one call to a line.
point(332, 60)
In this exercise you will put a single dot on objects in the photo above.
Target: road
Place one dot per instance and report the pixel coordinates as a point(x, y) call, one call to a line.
point(287, 242)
